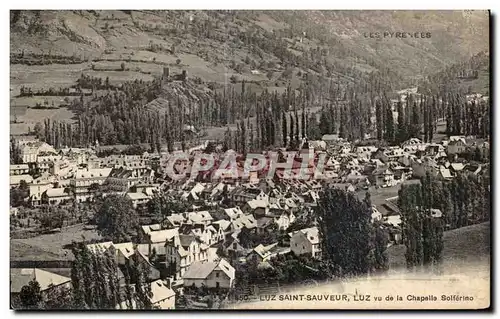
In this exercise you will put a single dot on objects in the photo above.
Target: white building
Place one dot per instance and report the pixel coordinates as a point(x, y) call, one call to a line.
point(218, 274)
point(162, 298)
point(306, 241)
point(183, 250)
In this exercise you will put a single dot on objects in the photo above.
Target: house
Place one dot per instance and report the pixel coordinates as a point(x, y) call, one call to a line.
point(162, 297)
point(63, 168)
point(204, 233)
point(181, 251)
point(194, 193)
point(456, 146)
point(31, 150)
point(382, 177)
point(457, 167)
point(306, 241)
point(401, 173)
point(413, 145)
point(421, 166)
point(123, 252)
point(257, 207)
point(158, 239)
point(376, 215)
point(223, 227)
point(175, 220)
point(354, 177)
point(243, 195)
point(84, 178)
point(233, 213)
point(201, 217)
point(49, 282)
point(235, 246)
point(263, 253)
point(121, 179)
point(29, 154)
point(15, 180)
point(19, 169)
point(284, 219)
point(138, 199)
point(311, 196)
point(145, 230)
point(393, 220)
point(100, 248)
point(148, 189)
point(56, 196)
point(434, 149)
point(264, 224)
point(218, 274)
point(244, 221)
point(444, 173)
point(365, 152)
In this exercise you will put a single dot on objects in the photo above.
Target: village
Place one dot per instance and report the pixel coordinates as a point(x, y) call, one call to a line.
point(221, 221)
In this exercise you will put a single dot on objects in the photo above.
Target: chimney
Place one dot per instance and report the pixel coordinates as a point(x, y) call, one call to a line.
point(184, 75)
point(166, 73)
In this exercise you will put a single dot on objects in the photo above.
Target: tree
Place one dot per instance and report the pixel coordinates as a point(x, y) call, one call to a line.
point(117, 220)
point(389, 125)
point(38, 130)
point(422, 230)
point(402, 132)
point(284, 133)
point(59, 298)
point(52, 217)
point(94, 278)
point(379, 119)
point(137, 273)
point(380, 240)
point(408, 201)
point(345, 231)
point(178, 61)
point(270, 75)
point(122, 66)
point(31, 296)
point(325, 123)
point(19, 194)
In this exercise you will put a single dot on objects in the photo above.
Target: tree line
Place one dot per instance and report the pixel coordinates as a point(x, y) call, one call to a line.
point(463, 201)
point(97, 282)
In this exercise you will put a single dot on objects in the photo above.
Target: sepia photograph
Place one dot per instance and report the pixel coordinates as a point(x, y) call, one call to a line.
point(229, 160)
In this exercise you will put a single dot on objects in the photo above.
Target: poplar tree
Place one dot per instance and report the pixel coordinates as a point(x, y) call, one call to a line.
point(345, 230)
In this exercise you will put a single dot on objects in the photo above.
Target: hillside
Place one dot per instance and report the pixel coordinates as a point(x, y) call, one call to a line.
point(469, 76)
point(269, 50)
point(461, 246)
point(200, 38)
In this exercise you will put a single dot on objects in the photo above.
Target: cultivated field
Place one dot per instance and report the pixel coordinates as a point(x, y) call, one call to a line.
point(50, 246)
point(29, 117)
point(44, 76)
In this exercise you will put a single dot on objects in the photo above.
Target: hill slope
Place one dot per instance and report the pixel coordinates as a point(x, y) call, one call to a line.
point(461, 246)
point(269, 50)
point(212, 36)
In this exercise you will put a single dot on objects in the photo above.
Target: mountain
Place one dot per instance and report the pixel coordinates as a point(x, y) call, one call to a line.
point(212, 42)
point(321, 56)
